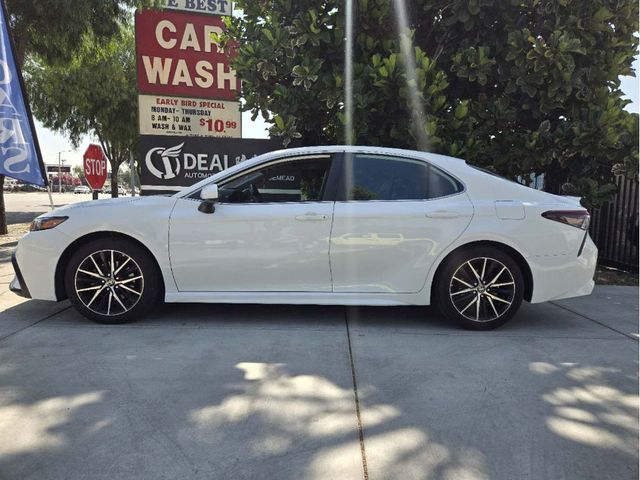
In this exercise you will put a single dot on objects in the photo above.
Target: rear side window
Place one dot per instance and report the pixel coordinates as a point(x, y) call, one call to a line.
point(378, 177)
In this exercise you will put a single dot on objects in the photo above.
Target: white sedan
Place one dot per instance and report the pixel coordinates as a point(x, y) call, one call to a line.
point(321, 225)
point(81, 189)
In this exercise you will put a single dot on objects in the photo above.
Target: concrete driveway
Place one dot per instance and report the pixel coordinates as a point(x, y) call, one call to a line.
point(220, 392)
point(243, 392)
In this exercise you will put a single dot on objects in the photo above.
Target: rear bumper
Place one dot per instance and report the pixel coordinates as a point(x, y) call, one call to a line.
point(564, 276)
point(18, 285)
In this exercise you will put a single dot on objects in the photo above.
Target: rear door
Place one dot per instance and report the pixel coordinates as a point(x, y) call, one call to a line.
point(393, 216)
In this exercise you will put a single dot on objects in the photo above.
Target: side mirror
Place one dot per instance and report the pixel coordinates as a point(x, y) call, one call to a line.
point(209, 196)
point(209, 193)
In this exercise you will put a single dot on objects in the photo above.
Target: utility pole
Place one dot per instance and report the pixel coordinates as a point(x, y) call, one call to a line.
point(60, 169)
point(132, 170)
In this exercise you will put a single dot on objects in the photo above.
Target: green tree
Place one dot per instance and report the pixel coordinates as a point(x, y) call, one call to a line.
point(291, 61)
point(53, 29)
point(78, 171)
point(520, 86)
point(125, 177)
point(543, 83)
point(94, 94)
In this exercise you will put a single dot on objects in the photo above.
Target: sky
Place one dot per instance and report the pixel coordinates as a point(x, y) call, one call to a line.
point(52, 143)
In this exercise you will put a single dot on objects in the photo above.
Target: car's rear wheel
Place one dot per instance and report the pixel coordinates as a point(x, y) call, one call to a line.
point(480, 288)
point(112, 280)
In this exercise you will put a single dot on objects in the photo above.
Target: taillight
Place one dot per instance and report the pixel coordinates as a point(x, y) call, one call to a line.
point(575, 218)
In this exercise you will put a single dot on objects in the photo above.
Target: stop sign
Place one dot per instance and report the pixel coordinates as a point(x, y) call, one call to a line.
point(95, 166)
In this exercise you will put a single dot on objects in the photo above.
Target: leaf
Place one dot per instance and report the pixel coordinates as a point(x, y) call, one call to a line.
point(392, 61)
point(369, 42)
point(461, 110)
point(279, 122)
point(439, 102)
point(602, 14)
point(545, 126)
point(431, 127)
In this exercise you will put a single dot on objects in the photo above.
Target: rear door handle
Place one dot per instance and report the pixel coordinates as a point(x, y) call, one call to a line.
point(311, 217)
point(443, 214)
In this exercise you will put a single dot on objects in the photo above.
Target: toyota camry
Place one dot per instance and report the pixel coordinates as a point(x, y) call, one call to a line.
point(320, 225)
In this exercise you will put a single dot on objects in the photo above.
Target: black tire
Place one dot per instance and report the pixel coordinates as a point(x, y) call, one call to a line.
point(495, 303)
point(124, 297)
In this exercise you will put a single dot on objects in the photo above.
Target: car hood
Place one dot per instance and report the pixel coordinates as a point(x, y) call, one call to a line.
point(109, 202)
point(100, 203)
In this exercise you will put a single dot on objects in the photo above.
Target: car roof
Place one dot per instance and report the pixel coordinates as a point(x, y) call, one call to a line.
point(434, 157)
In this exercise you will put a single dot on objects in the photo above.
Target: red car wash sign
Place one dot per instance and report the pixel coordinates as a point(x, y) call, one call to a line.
point(177, 55)
point(95, 166)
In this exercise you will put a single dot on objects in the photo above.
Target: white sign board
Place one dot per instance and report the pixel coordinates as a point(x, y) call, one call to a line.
point(191, 117)
point(209, 7)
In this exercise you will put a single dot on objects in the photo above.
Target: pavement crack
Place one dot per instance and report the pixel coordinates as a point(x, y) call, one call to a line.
point(602, 324)
point(363, 452)
point(34, 323)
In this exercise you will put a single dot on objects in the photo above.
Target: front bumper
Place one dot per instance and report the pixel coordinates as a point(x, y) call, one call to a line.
point(36, 258)
point(18, 285)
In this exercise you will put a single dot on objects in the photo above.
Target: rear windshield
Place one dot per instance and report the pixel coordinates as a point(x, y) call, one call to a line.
point(494, 174)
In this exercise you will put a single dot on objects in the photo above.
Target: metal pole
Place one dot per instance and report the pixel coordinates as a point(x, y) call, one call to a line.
point(132, 171)
point(59, 173)
point(50, 197)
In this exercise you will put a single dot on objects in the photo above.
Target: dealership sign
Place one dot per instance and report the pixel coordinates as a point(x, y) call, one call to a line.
point(211, 7)
point(177, 55)
point(161, 115)
point(170, 163)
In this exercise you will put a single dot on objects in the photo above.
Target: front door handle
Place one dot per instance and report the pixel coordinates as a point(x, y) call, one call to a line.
point(443, 214)
point(311, 217)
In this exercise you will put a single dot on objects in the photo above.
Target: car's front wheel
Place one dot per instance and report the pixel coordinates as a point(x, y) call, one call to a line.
point(112, 280)
point(480, 288)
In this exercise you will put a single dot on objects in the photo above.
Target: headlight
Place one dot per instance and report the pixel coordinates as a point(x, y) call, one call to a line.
point(45, 223)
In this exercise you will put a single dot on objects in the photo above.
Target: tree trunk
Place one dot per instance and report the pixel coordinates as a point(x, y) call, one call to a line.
point(554, 177)
point(114, 181)
point(21, 39)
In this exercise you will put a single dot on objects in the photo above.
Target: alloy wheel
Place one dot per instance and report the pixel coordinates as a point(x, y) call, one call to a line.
point(109, 282)
point(482, 289)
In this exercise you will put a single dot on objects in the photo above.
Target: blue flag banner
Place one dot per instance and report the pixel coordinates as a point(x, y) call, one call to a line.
point(19, 151)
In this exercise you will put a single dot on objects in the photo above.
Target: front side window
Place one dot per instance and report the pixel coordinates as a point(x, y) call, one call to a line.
point(300, 180)
point(378, 177)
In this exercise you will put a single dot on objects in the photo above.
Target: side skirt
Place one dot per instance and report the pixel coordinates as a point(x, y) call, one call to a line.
point(298, 298)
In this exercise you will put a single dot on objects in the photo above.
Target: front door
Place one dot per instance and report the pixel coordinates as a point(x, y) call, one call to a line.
point(393, 217)
point(269, 232)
